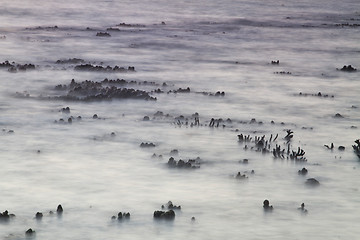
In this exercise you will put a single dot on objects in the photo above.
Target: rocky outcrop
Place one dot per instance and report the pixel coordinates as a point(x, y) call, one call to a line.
point(97, 91)
point(166, 215)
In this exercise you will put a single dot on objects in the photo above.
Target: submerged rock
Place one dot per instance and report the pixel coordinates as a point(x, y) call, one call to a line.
point(30, 232)
point(303, 171)
point(312, 182)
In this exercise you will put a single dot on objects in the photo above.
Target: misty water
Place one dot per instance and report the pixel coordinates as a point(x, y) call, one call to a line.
point(223, 52)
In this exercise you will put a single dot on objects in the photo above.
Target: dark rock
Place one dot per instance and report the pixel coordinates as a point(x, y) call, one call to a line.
point(341, 148)
point(168, 215)
point(59, 209)
point(122, 216)
point(190, 164)
point(147, 145)
point(5, 215)
point(30, 232)
point(70, 61)
point(146, 118)
point(267, 206)
point(312, 182)
point(338, 115)
point(348, 68)
point(103, 34)
point(97, 91)
point(171, 206)
point(38, 215)
point(65, 110)
point(303, 171)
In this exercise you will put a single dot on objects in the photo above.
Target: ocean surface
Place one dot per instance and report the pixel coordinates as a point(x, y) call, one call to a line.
point(257, 68)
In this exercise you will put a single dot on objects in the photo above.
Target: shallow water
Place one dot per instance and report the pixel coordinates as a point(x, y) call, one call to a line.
point(208, 47)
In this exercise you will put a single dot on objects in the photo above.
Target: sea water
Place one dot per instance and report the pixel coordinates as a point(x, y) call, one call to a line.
point(96, 168)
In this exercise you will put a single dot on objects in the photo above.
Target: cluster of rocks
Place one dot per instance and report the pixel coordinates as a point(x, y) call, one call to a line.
point(130, 25)
point(98, 68)
point(43, 28)
point(277, 62)
point(216, 122)
point(180, 90)
point(95, 91)
point(70, 61)
point(348, 68)
point(241, 176)
point(103, 34)
point(267, 207)
point(6, 216)
point(113, 29)
point(121, 216)
point(65, 110)
point(69, 120)
point(170, 206)
point(147, 145)
point(189, 164)
point(283, 73)
point(319, 94)
point(354, 25)
point(13, 67)
point(38, 216)
point(166, 215)
point(216, 94)
point(124, 82)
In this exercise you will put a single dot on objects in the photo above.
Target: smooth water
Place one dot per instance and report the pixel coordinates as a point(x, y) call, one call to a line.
point(208, 46)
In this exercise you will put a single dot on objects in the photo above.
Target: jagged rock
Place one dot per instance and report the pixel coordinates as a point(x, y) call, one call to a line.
point(103, 34)
point(348, 68)
point(70, 61)
point(168, 215)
